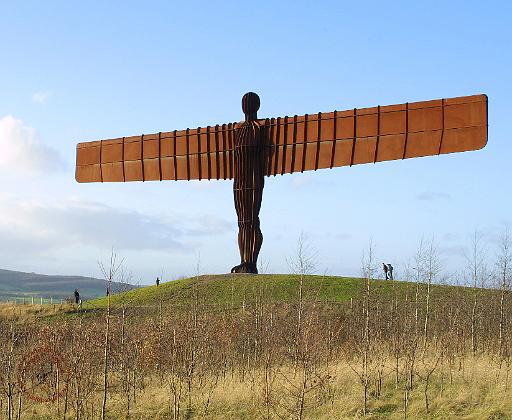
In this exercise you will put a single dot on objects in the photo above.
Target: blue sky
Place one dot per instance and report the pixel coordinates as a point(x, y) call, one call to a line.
point(79, 71)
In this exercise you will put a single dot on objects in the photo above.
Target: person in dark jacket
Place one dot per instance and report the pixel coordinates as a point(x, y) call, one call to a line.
point(77, 297)
point(385, 268)
point(157, 281)
point(390, 271)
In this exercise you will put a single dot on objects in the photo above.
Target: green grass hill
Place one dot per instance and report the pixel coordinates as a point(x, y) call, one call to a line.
point(232, 290)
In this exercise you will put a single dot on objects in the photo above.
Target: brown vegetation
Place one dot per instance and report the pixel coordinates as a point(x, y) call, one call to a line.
point(407, 352)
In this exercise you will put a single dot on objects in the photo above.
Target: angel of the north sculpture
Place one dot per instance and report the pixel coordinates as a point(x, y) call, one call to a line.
point(248, 151)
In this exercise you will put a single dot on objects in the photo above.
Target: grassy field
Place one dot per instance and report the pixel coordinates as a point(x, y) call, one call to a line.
point(29, 312)
point(473, 395)
point(235, 289)
point(263, 347)
point(225, 291)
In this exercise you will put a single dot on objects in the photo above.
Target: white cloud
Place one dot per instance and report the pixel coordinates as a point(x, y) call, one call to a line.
point(21, 151)
point(40, 98)
point(34, 227)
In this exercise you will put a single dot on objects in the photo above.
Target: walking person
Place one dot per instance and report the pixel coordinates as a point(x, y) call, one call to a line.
point(385, 268)
point(390, 271)
point(157, 281)
point(77, 297)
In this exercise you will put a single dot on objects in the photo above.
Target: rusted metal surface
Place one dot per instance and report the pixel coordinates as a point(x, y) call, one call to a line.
point(249, 150)
point(295, 144)
point(370, 135)
point(248, 185)
point(202, 153)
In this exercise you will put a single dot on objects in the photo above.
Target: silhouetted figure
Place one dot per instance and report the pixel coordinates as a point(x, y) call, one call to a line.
point(108, 291)
point(157, 281)
point(77, 297)
point(385, 268)
point(248, 184)
point(390, 271)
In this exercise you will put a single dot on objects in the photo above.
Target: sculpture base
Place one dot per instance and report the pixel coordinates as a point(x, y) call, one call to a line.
point(245, 267)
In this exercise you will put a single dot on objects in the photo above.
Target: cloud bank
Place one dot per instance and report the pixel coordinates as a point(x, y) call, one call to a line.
point(21, 150)
point(32, 227)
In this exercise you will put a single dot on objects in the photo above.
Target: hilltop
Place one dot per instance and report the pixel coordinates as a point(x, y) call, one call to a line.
point(233, 290)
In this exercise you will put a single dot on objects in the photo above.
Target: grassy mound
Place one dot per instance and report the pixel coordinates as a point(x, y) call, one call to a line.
point(235, 289)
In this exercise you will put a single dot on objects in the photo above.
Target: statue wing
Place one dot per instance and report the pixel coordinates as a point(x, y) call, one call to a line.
point(202, 153)
point(371, 135)
point(293, 144)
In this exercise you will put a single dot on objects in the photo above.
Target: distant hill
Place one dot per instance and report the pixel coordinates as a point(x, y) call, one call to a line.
point(19, 284)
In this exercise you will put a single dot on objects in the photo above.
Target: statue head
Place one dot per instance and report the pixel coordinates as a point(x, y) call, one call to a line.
point(250, 106)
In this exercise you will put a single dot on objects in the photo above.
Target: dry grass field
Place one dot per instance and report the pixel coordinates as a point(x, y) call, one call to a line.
point(262, 347)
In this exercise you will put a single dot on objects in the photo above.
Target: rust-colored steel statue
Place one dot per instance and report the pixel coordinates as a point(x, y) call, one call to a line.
point(250, 150)
point(248, 185)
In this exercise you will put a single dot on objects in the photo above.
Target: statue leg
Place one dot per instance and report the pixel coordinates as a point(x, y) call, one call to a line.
point(248, 204)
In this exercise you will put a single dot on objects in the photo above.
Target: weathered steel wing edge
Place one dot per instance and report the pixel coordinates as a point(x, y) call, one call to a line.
point(466, 128)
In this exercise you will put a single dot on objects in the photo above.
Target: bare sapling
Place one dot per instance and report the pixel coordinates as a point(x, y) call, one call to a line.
point(109, 274)
point(477, 276)
point(10, 383)
point(368, 271)
point(432, 267)
point(303, 263)
point(503, 274)
point(306, 379)
point(412, 337)
point(430, 363)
